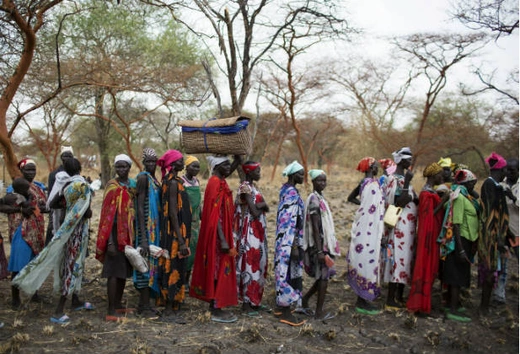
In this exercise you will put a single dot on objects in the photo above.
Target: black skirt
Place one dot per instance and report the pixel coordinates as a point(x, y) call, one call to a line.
point(457, 272)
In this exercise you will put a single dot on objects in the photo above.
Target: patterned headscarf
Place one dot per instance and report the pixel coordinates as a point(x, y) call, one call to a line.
point(250, 167)
point(463, 176)
point(401, 154)
point(166, 160)
point(495, 161)
point(365, 164)
point(149, 153)
point(26, 161)
point(189, 160)
point(316, 173)
point(385, 163)
point(123, 157)
point(432, 169)
point(445, 162)
point(292, 168)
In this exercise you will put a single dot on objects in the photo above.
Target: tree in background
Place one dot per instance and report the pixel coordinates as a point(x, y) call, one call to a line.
point(20, 23)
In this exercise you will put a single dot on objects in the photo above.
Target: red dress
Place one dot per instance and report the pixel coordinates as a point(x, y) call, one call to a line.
point(214, 275)
point(427, 253)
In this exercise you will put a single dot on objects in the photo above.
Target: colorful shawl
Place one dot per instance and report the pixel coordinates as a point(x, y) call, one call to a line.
point(51, 258)
point(214, 274)
point(118, 200)
point(33, 227)
point(152, 209)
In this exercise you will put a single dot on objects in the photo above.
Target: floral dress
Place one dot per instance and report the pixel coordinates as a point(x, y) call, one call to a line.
point(400, 248)
point(289, 231)
point(365, 243)
point(251, 241)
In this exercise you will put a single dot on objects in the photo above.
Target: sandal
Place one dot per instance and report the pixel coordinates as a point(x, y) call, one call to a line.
point(224, 318)
point(112, 318)
point(365, 311)
point(85, 306)
point(293, 321)
point(458, 318)
point(263, 308)
point(124, 310)
point(253, 314)
point(62, 320)
point(327, 316)
point(305, 310)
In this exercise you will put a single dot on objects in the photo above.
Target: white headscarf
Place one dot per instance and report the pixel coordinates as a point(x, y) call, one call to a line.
point(214, 161)
point(67, 149)
point(123, 157)
point(402, 153)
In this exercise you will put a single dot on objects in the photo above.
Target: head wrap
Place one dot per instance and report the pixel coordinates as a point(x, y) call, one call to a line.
point(166, 160)
point(463, 176)
point(385, 163)
point(365, 164)
point(250, 167)
point(445, 162)
point(292, 168)
point(402, 153)
point(495, 161)
point(315, 173)
point(67, 149)
point(432, 169)
point(189, 160)
point(124, 158)
point(214, 161)
point(26, 161)
point(149, 153)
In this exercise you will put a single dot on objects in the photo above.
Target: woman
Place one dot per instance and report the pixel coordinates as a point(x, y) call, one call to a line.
point(175, 234)
point(459, 232)
point(495, 223)
point(319, 243)
point(288, 256)
point(26, 228)
point(427, 251)
point(365, 243)
point(400, 239)
point(65, 253)
point(251, 234)
point(192, 187)
point(116, 230)
point(148, 227)
point(214, 274)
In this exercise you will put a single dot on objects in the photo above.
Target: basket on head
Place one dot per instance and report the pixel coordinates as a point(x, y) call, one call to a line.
point(229, 136)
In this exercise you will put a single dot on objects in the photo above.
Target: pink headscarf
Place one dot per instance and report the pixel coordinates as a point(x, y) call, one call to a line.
point(166, 160)
point(495, 161)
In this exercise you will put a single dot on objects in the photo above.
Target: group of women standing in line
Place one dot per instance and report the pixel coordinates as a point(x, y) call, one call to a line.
point(436, 235)
point(219, 251)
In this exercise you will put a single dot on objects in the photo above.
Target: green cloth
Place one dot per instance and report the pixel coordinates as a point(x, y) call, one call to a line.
point(195, 198)
point(466, 216)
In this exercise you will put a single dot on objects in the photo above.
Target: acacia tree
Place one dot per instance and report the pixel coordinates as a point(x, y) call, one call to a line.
point(498, 16)
point(19, 25)
point(433, 55)
point(242, 33)
point(373, 95)
point(129, 69)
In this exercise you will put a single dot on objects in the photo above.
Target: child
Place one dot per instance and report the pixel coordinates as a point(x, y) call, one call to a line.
point(320, 244)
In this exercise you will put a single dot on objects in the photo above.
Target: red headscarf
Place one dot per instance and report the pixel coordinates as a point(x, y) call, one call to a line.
point(250, 167)
point(365, 164)
point(385, 163)
point(166, 160)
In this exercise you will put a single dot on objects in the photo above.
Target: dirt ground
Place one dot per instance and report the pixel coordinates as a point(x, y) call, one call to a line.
point(30, 331)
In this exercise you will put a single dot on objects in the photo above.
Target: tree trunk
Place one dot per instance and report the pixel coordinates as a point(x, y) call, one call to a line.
point(102, 129)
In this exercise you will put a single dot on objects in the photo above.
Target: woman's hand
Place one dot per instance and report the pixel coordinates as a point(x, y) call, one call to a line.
point(184, 251)
point(145, 248)
point(224, 246)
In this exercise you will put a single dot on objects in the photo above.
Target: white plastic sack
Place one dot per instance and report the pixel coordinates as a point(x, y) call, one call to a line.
point(157, 252)
point(136, 260)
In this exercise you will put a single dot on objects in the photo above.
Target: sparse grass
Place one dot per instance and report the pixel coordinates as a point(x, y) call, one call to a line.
point(48, 330)
point(15, 343)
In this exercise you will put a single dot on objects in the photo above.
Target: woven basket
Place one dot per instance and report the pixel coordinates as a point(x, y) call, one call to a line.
point(212, 136)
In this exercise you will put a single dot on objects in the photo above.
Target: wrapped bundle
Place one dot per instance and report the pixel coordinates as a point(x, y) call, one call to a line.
point(228, 136)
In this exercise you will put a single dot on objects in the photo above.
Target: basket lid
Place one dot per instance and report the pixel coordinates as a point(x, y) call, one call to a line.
point(215, 122)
